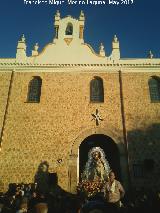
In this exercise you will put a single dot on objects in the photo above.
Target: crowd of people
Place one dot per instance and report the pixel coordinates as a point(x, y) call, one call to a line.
point(95, 193)
point(25, 198)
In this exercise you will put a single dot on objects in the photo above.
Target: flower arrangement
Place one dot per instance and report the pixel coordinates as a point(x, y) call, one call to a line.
point(90, 188)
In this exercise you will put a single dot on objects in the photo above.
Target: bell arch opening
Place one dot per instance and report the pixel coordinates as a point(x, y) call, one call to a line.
point(109, 147)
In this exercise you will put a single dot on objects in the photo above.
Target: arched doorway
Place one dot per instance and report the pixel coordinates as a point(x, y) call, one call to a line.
point(109, 147)
point(114, 148)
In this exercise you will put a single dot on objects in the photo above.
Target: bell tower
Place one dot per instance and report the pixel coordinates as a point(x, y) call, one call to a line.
point(68, 29)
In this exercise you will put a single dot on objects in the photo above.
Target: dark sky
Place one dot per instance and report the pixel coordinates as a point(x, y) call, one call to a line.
point(137, 26)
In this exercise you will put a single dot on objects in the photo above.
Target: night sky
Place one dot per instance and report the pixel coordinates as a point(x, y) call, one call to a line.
point(136, 25)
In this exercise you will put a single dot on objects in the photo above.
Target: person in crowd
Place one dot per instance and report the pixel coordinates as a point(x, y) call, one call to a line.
point(32, 201)
point(27, 191)
point(1, 202)
point(41, 205)
point(113, 190)
point(23, 208)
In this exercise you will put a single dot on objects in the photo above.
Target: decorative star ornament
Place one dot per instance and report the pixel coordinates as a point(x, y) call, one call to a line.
point(97, 117)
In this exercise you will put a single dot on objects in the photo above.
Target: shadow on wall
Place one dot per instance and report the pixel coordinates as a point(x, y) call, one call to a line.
point(42, 177)
point(144, 152)
point(47, 183)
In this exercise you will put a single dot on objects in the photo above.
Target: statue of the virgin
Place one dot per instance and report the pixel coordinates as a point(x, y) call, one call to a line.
point(97, 166)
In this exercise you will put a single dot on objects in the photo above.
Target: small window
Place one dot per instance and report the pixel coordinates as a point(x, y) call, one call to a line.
point(34, 90)
point(56, 31)
point(96, 90)
point(137, 170)
point(154, 89)
point(69, 29)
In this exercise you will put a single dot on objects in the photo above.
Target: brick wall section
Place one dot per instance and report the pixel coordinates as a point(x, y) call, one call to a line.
point(4, 89)
point(143, 127)
point(46, 130)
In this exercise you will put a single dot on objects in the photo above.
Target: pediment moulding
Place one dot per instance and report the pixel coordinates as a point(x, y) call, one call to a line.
point(69, 38)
